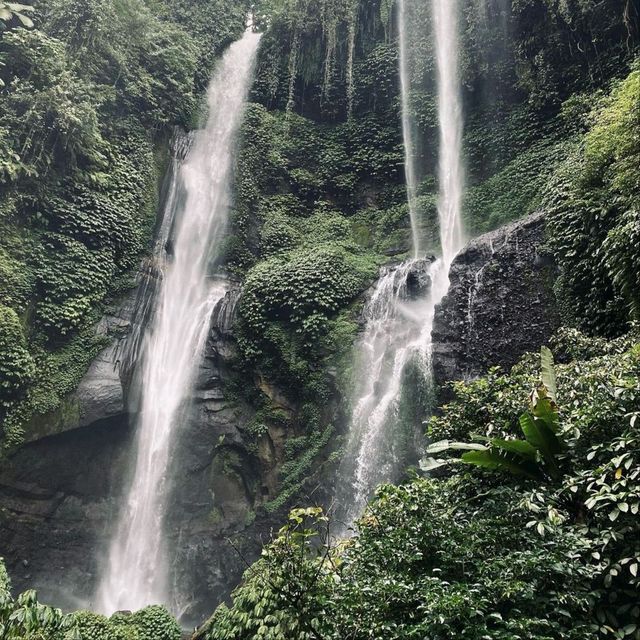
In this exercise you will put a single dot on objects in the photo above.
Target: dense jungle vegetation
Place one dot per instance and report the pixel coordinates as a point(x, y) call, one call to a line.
point(89, 93)
point(88, 97)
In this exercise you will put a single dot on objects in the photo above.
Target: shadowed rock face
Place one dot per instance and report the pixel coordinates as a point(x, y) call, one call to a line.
point(61, 493)
point(500, 303)
point(56, 506)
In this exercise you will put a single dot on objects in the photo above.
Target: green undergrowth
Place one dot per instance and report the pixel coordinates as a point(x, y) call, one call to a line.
point(300, 186)
point(473, 553)
point(25, 618)
point(593, 225)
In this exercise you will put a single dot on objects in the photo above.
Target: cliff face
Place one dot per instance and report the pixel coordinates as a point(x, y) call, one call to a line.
point(500, 303)
point(61, 493)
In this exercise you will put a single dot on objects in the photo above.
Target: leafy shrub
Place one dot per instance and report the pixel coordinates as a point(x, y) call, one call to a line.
point(155, 623)
point(594, 204)
point(303, 289)
point(27, 619)
point(71, 280)
point(17, 368)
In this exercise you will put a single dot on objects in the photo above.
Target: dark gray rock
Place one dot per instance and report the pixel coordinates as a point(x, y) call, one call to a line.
point(60, 495)
point(419, 278)
point(500, 303)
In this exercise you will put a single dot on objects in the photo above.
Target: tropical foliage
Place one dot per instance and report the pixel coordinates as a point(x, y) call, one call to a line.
point(477, 555)
point(594, 226)
point(89, 92)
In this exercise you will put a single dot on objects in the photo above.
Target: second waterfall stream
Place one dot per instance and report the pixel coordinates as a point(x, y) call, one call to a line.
point(399, 314)
point(137, 569)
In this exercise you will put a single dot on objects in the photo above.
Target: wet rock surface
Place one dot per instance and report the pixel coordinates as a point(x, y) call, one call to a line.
point(500, 303)
point(60, 494)
point(419, 278)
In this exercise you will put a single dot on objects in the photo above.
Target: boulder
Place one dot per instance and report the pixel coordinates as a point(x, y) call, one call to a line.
point(500, 303)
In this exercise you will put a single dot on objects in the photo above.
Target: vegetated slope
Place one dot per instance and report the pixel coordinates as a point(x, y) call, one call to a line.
point(477, 554)
point(88, 97)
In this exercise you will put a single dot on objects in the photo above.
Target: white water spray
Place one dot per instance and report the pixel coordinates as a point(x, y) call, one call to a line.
point(398, 324)
point(137, 573)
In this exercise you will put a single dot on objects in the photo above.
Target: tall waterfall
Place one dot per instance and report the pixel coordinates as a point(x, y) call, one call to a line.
point(399, 314)
point(137, 573)
point(450, 173)
point(410, 171)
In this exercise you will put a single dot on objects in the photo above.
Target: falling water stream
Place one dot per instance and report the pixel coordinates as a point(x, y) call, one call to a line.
point(137, 571)
point(410, 171)
point(399, 314)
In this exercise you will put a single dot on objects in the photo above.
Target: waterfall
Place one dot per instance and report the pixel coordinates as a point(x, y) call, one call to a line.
point(137, 571)
point(450, 171)
point(410, 171)
point(399, 314)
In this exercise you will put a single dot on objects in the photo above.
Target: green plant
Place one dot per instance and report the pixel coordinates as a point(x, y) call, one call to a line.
point(536, 456)
point(593, 225)
point(17, 368)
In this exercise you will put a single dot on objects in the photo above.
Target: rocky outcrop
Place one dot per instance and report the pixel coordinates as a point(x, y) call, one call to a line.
point(500, 302)
point(102, 392)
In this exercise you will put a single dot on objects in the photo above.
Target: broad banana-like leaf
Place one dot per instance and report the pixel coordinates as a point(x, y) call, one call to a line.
point(519, 447)
point(5, 14)
point(431, 464)
point(548, 372)
point(492, 459)
point(545, 409)
point(14, 6)
point(540, 436)
point(446, 445)
point(26, 21)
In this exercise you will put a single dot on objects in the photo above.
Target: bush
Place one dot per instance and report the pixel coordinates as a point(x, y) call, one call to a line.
point(17, 368)
point(155, 623)
point(594, 221)
point(71, 280)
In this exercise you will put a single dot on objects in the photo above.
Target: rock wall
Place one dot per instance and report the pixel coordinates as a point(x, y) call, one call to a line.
point(500, 303)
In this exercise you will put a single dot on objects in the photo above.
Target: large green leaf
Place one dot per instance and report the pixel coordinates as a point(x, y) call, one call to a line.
point(446, 445)
point(493, 459)
point(519, 447)
point(545, 409)
point(539, 435)
point(548, 372)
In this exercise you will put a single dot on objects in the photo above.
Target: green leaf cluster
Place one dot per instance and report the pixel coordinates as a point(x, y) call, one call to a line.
point(594, 222)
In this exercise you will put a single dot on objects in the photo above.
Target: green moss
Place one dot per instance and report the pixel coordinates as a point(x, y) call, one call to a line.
point(17, 368)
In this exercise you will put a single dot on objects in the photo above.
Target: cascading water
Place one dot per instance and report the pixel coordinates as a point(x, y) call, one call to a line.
point(450, 172)
point(399, 314)
point(410, 172)
point(137, 572)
